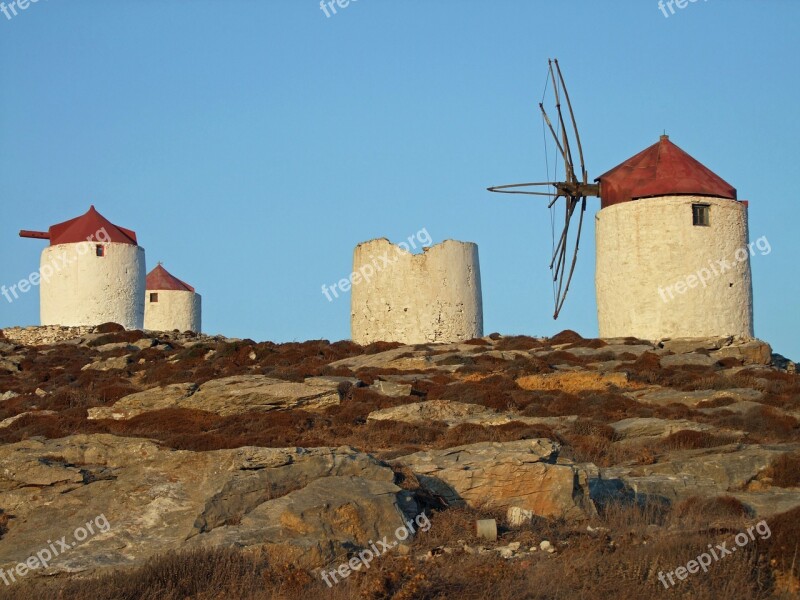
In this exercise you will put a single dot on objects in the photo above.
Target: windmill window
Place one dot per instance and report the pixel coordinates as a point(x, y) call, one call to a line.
point(153, 297)
point(100, 250)
point(701, 215)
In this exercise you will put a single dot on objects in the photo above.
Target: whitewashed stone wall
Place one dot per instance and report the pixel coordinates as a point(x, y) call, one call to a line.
point(175, 309)
point(80, 288)
point(434, 296)
point(646, 246)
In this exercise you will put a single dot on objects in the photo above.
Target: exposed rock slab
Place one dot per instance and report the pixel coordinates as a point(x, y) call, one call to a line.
point(227, 396)
point(11, 420)
point(108, 364)
point(405, 358)
point(665, 396)
point(689, 345)
point(706, 473)
point(310, 503)
point(652, 427)
point(683, 360)
point(525, 474)
point(157, 398)
point(457, 413)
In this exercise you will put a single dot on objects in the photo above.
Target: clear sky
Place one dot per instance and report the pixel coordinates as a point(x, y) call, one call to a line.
point(252, 144)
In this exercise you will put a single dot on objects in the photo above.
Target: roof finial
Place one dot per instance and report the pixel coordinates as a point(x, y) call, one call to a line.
point(664, 136)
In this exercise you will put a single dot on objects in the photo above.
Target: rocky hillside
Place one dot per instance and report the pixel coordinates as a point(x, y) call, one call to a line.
point(165, 465)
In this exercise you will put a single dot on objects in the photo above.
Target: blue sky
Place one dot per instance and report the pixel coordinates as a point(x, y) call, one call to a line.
point(252, 144)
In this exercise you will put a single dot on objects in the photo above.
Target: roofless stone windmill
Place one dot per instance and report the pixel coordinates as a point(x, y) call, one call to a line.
point(671, 238)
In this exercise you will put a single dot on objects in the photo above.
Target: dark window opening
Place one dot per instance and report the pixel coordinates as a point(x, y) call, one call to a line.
point(701, 215)
point(100, 250)
point(153, 297)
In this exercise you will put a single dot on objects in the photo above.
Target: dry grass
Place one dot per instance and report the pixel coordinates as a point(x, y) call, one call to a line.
point(575, 381)
point(784, 471)
point(622, 557)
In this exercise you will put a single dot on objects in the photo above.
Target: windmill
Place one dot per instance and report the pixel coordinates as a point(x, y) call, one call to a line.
point(574, 190)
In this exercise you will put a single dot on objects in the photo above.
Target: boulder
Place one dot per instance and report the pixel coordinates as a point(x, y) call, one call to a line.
point(244, 393)
point(752, 352)
point(327, 518)
point(525, 473)
point(8, 396)
point(391, 388)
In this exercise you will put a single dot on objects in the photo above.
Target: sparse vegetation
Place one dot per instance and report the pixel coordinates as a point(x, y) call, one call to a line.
point(619, 554)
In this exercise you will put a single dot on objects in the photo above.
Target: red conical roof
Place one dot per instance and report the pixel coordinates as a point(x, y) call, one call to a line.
point(161, 279)
point(663, 169)
point(91, 226)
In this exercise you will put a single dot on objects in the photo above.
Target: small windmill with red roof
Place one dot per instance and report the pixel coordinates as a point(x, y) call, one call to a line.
point(92, 272)
point(171, 303)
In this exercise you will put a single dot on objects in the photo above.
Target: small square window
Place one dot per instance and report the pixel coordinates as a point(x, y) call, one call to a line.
point(100, 250)
point(701, 215)
point(153, 297)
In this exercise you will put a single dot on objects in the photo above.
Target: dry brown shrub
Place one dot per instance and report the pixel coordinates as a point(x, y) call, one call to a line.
point(518, 342)
point(566, 337)
point(783, 549)
point(696, 510)
point(564, 357)
point(716, 402)
point(590, 343)
point(477, 342)
point(784, 471)
point(4, 519)
point(624, 561)
point(688, 439)
point(116, 337)
point(494, 392)
point(109, 327)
